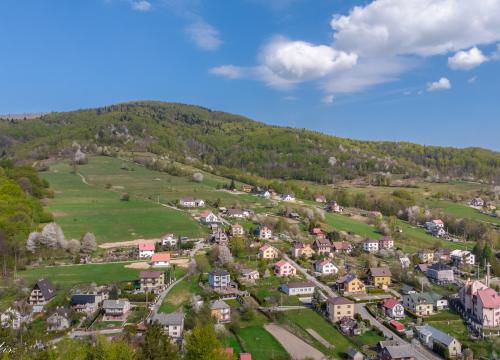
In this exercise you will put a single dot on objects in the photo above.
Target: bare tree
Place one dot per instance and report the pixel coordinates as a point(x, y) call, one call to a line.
point(73, 246)
point(88, 243)
point(198, 177)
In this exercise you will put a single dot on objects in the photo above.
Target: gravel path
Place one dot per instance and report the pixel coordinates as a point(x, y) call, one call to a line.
point(297, 348)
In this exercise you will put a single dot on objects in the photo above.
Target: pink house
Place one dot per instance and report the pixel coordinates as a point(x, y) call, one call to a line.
point(283, 268)
point(146, 250)
point(481, 303)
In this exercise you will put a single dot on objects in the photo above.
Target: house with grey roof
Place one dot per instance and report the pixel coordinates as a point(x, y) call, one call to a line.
point(59, 319)
point(437, 340)
point(440, 273)
point(172, 324)
point(43, 291)
point(219, 278)
point(115, 310)
point(353, 354)
point(396, 351)
point(85, 303)
point(220, 311)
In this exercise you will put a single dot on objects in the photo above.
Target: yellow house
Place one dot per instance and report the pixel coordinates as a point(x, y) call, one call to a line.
point(380, 276)
point(339, 308)
point(426, 256)
point(350, 284)
point(268, 252)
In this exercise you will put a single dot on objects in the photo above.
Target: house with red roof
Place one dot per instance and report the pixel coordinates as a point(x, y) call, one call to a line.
point(326, 267)
point(268, 252)
point(284, 268)
point(161, 259)
point(397, 325)
point(245, 356)
point(208, 217)
point(237, 230)
point(393, 308)
point(341, 247)
point(146, 250)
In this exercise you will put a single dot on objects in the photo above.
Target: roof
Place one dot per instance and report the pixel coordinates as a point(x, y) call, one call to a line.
point(339, 300)
point(46, 287)
point(248, 271)
point(347, 278)
point(439, 267)
point(218, 304)
point(341, 245)
point(385, 238)
point(422, 267)
point(83, 299)
point(282, 263)
point(146, 247)
point(267, 246)
point(161, 257)
point(235, 211)
point(324, 262)
point(397, 325)
point(380, 271)
point(168, 319)
point(245, 356)
point(61, 311)
point(490, 298)
point(219, 272)
point(436, 334)
point(150, 274)
point(187, 199)
point(370, 241)
point(352, 352)
point(438, 221)
point(390, 303)
point(236, 226)
point(298, 285)
point(323, 242)
point(114, 304)
point(206, 214)
point(400, 351)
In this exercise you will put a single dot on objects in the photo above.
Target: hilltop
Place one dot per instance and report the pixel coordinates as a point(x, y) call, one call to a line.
point(235, 145)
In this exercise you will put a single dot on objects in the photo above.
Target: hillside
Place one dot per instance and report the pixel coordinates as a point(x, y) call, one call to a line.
point(234, 144)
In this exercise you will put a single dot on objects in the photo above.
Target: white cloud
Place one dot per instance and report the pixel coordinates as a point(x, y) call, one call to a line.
point(417, 27)
point(441, 84)
point(141, 5)
point(328, 99)
point(204, 35)
point(291, 98)
point(496, 54)
point(466, 60)
point(472, 80)
point(229, 71)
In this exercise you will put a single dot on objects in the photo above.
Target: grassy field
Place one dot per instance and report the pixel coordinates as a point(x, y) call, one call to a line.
point(345, 223)
point(67, 276)
point(260, 343)
point(79, 208)
point(461, 211)
point(180, 294)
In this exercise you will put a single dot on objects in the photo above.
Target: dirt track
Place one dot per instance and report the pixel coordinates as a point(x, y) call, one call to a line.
point(297, 348)
point(130, 243)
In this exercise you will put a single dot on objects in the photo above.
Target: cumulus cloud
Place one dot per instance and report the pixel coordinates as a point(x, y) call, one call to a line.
point(204, 35)
point(466, 60)
point(441, 84)
point(229, 71)
point(141, 5)
point(328, 99)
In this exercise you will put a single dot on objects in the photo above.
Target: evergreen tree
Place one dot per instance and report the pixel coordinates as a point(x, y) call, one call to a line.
point(157, 345)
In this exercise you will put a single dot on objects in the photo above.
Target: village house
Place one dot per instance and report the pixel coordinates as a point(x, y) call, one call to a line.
point(341, 247)
point(59, 319)
point(284, 268)
point(161, 259)
point(370, 245)
point(326, 267)
point(85, 303)
point(339, 308)
point(265, 233)
point(43, 291)
point(219, 279)
point(208, 217)
point(434, 224)
point(353, 354)
point(245, 356)
point(462, 257)
point(298, 288)
point(396, 325)
point(168, 240)
point(199, 202)
point(318, 233)
point(146, 250)
point(426, 256)
point(237, 230)
point(301, 250)
point(237, 214)
point(220, 237)
point(477, 202)
point(379, 276)
point(333, 207)
point(115, 310)
point(481, 303)
point(187, 202)
point(405, 262)
point(440, 273)
point(442, 255)
point(320, 199)
point(266, 194)
point(393, 308)
point(431, 337)
point(395, 350)
point(246, 188)
point(419, 303)
point(268, 252)
point(250, 275)
point(422, 268)
point(152, 281)
point(220, 311)
point(322, 246)
point(385, 243)
point(13, 319)
point(172, 324)
point(350, 284)
point(288, 197)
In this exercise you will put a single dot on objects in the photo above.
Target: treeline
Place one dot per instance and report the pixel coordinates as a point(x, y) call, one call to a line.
point(239, 145)
point(21, 210)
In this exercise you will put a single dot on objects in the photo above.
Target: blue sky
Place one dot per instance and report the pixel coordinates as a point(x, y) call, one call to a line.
point(425, 71)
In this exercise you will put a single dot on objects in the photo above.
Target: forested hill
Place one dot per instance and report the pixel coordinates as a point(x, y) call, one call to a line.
point(235, 143)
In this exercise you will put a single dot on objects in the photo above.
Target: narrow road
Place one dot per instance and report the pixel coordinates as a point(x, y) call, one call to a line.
point(421, 352)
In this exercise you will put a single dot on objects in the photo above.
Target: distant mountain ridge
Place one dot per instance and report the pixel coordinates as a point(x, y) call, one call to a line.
point(235, 143)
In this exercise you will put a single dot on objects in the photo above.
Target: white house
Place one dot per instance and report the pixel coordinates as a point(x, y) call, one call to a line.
point(199, 202)
point(187, 202)
point(370, 245)
point(393, 308)
point(12, 318)
point(161, 259)
point(265, 233)
point(172, 324)
point(326, 267)
point(288, 197)
point(208, 217)
point(431, 336)
point(169, 240)
point(462, 257)
point(146, 250)
point(298, 288)
point(437, 223)
point(266, 194)
point(477, 202)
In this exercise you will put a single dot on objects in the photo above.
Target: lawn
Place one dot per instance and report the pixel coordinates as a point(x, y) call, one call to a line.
point(260, 343)
point(345, 223)
point(461, 210)
point(79, 208)
point(180, 294)
point(67, 276)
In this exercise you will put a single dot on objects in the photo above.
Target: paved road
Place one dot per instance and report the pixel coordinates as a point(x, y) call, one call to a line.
point(420, 352)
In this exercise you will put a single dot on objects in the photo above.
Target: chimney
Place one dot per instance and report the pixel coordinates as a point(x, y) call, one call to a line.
point(488, 266)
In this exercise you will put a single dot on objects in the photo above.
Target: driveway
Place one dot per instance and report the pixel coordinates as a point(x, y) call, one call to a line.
point(297, 348)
